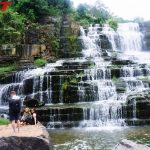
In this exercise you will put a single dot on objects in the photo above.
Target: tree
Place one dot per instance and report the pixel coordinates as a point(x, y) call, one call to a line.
point(11, 26)
point(82, 10)
point(113, 23)
point(33, 10)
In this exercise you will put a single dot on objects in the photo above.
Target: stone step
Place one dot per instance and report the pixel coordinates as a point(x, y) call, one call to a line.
point(72, 67)
point(65, 72)
point(78, 63)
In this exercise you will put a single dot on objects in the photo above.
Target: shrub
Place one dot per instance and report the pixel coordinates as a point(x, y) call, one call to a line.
point(4, 121)
point(113, 23)
point(40, 62)
point(5, 69)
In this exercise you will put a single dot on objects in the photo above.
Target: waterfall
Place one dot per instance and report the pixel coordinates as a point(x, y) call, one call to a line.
point(130, 36)
point(106, 110)
point(91, 42)
point(111, 35)
point(32, 79)
point(92, 98)
point(127, 37)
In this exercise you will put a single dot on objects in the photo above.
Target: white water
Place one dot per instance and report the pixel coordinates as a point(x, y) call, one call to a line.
point(111, 35)
point(22, 76)
point(108, 112)
point(127, 37)
point(130, 37)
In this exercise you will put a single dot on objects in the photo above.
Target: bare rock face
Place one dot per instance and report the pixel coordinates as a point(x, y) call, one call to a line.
point(129, 145)
point(30, 137)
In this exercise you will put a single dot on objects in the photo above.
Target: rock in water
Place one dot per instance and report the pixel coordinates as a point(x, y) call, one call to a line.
point(130, 145)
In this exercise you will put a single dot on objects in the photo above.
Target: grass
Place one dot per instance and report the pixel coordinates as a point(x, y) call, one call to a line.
point(5, 69)
point(40, 62)
point(4, 121)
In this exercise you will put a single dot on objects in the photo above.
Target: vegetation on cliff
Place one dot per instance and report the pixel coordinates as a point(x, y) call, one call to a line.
point(25, 17)
point(40, 62)
point(5, 69)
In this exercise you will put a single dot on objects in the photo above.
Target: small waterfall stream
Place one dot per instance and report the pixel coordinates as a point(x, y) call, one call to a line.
point(83, 92)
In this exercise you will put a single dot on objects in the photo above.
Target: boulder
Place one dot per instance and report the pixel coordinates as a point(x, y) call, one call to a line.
point(31, 137)
point(130, 145)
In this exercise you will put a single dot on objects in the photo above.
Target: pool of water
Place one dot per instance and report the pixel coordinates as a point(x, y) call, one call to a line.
point(97, 138)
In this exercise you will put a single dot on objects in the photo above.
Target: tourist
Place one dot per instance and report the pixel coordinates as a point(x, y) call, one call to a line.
point(29, 116)
point(26, 117)
point(14, 110)
point(33, 112)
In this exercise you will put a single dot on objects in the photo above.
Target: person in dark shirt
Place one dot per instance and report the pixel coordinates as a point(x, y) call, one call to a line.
point(14, 110)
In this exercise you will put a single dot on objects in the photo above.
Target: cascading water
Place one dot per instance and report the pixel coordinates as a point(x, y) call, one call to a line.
point(92, 92)
point(106, 110)
point(22, 80)
point(130, 36)
point(127, 37)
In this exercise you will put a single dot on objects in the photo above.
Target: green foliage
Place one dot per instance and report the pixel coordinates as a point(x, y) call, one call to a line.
point(84, 22)
point(54, 11)
point(65, 85)
point(55, 46)
point(74, 80)
point(11, 26)
point(40, 62)
point(62, 6)
point(113, 23)
point(33, 10)
point(4, 121)
point(92, 14)
point(4, 70)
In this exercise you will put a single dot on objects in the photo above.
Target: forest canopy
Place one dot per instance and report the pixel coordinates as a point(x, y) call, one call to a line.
point(23, 12)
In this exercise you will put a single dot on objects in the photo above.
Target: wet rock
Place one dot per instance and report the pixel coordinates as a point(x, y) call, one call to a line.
point(115, 72)
point(130, 145)
point(122, 62)
point(137, 108)
point(33, 103)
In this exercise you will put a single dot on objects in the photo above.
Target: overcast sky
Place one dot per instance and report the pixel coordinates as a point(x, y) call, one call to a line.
point(128, 9)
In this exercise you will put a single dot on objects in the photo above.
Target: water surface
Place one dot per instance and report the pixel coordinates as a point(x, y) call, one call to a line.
point(97, 138)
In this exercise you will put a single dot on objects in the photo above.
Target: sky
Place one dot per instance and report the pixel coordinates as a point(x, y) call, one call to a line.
point(127, 9)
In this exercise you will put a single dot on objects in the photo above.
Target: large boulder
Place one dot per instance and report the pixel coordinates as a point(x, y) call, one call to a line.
point(30, 137)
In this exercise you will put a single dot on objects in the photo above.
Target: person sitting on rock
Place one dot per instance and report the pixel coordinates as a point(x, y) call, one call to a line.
point(29, 117)
point(33, 112)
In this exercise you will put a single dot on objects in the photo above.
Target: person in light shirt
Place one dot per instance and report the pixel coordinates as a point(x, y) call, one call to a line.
point(14, 110)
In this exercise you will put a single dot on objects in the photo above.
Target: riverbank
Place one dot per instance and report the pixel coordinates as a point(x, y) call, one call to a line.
point(30, 137)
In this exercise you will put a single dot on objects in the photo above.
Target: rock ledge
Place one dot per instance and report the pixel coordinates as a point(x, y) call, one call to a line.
point(30, 137)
